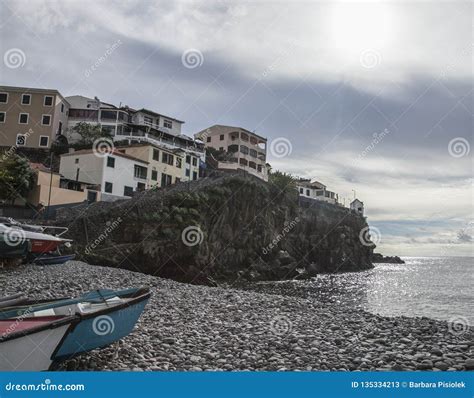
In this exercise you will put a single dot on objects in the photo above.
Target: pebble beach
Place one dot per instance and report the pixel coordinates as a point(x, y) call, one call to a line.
point(200, 328)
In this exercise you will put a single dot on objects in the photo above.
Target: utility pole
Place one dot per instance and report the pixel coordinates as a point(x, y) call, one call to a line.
point(50, 181)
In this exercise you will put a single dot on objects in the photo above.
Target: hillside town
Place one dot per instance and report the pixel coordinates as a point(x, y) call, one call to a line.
point(107, 152)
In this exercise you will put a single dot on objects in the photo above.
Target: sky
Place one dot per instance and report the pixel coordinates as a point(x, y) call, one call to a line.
point(374, 99)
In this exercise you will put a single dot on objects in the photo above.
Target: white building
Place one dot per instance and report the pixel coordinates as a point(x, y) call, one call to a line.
point(357, 206)
point(315, 190)
point(117, 175)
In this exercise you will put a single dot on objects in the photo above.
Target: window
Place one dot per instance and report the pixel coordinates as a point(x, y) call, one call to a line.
point(46, 120)
point(188, 159)
point(139, 172)
point(252, 165)
point(233, 148)
point(167, 158)
point(243, 162)
point(26, 99)
point(20, 140)
point(319, 193)
point(23, 118)
point(127, 191)
point(77, 161)
point(156, 154)
point(108, 187)
point(259, 168)
point(44, 141)
point(178, 162)
point(60, 128)
point(168, 124)
point(148, 120)
point(177, 180)
point(62, 108)
point(140, 186)
point(110, 161)
point(194, 161)
point(3, 98)
point(221, 137)
point(208, 139)
point(244, 149)
point(307, 192)
point(301, 190)
point(154, 175)
point(188, 172)
point(48, 100)
point(87, 114)
point(244, 137)
point(108, 115)
point(3, 116)
point(253, 153)
point(165, 180)
point(221, 148)
point(195, 175)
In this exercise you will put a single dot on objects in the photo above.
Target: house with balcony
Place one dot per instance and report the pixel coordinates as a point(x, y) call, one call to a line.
point(116, 174)
point(316, 191)
point(239, 149)
point(31, 117)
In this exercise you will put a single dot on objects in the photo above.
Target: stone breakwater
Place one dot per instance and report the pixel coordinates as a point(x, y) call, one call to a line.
point(188, 327)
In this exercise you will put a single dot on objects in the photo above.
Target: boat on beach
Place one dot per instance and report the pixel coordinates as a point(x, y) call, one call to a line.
point(39, 244)
point(30, 344)
point(105, 316)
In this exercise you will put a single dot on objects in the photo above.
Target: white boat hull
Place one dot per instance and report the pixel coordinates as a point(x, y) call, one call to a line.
point(32, 352)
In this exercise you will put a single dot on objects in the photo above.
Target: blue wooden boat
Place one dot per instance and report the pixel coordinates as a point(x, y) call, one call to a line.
point(53, 260)
point(105, 317)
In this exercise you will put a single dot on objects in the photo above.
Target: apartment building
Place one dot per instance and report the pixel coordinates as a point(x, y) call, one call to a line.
point(165, 166)
point(31, 117)
point(140, 126)
point(241, 149)
point(116, 174)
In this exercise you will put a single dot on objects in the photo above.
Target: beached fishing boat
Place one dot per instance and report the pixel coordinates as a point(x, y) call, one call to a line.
point(105, 317)
point(29, 344)
point(42, 242)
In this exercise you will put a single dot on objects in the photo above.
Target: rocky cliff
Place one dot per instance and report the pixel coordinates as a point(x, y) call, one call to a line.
point(223, 227)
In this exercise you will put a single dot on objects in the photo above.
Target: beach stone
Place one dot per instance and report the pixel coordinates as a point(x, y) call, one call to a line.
point(469, 364)
point(441, 365)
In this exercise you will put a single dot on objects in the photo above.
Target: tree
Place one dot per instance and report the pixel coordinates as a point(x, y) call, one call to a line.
point(16, 177)
point(282, 182)
point(88, 133)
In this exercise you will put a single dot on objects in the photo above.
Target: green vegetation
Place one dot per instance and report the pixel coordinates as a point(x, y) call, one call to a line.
point(16, 177)
point(282, 183)
point(88, 134)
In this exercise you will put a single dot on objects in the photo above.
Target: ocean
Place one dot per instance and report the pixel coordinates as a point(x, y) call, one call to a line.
point(434, 287)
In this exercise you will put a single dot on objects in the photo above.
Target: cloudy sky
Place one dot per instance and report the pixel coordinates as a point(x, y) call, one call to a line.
point(373, 97)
